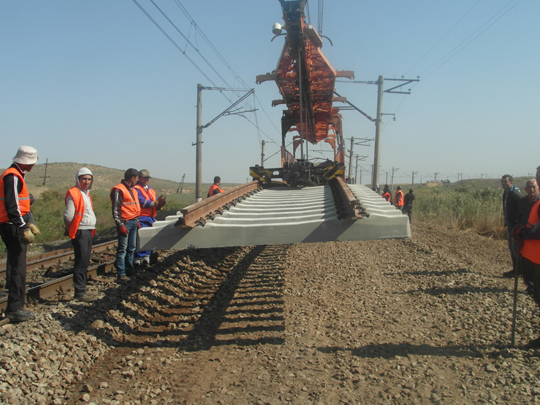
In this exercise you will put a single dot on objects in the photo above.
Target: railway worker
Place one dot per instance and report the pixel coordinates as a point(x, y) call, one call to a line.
point(525, 205)
point(511, 198)
point(15, 230)
point(530, 250)
point(398, 199)
point(387, 194)
point(408, 204)
point(215, 188)
point(150, 205)
point(80, 222)
point(125, 211)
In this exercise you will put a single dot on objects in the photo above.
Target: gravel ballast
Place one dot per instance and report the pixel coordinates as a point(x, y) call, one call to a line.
point(422, 320)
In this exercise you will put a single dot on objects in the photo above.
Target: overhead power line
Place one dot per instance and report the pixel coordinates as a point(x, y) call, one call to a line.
point(471, 38)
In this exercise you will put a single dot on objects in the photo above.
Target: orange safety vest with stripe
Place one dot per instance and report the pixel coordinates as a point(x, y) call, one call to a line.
point(387, 196)
point(78, 201)
point(212, 188)
point(23, 197)
point(531, 248)
point(150, 195)
point(130, 206)
point(401, 201)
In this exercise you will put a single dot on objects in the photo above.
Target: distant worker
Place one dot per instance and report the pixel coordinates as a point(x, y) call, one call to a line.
point(80, 222)
point(15, 230)
point(387, 194)
point(150, 205)
point(530, 251)
point(215, 188)
point(525, 205)
point(408, 204)
point(125, 211)
point(398, 199)
point(511, 198)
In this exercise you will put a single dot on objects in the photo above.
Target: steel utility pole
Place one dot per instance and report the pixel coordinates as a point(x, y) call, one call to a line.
point(200, 127)
point(356, 170)
point(45, 175)
point(350, 160)
point(262, 154)
point(181, 185)
point(393, 170)
point(378, 119)
point(435, 180)
point(378, 122)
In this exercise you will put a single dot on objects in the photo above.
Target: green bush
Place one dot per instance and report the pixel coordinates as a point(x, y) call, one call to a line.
point(462, 208)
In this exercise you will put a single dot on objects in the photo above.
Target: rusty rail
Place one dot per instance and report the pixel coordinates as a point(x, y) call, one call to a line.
point(48, 259)
point(60, 285)
point(347, 205)
point(197, 213)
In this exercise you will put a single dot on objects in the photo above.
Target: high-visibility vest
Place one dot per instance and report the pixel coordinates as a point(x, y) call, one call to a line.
point(387, 196)
point(23, 197)
point(531, 248)
point(401, 202)
point(78, 201)
point(150, 195)
point(130, 206)
point(212, 188)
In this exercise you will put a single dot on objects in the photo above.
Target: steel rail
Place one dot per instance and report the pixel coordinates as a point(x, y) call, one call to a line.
point(60, 285)
point(348, 206)
point(49, 259)
point(197, 213)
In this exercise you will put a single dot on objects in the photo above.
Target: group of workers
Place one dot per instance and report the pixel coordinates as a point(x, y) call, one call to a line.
point(134, 206)
point(522, 221)
point(404, 203)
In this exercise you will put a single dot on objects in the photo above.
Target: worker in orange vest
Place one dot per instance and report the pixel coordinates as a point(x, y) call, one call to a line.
point(126, 210)
point(215, 188)
point(530, 250)
point(80, 222)
point(387, 195)
point(399, 201)
point(150, 205)
point(15, 229)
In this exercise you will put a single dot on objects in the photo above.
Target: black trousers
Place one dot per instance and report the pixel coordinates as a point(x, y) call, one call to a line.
point(15, 266)
point(407, 209)
point(82, 245)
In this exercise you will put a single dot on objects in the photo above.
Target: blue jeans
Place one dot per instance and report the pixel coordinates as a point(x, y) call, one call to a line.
point(146, 222)
point(126, 249)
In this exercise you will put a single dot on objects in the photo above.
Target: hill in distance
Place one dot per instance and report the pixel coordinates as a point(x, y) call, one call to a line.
point(61, 177)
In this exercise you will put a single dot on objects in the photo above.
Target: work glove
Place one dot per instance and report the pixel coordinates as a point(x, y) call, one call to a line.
point(35, 230)
point(122, 230)
point(161, 201)
point(139, 225)
point(26, 236)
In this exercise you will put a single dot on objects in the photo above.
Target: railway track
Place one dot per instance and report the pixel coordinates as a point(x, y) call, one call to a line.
point(51, 273)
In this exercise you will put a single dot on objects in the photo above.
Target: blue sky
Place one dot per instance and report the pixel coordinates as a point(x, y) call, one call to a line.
point(97, 82)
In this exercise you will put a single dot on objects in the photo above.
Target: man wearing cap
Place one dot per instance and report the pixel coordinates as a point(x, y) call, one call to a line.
point(80, 222)
point(15, 230)
point(149, 208)
point(126, 210)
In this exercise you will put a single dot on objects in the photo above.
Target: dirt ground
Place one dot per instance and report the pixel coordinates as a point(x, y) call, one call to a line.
point(413, 321)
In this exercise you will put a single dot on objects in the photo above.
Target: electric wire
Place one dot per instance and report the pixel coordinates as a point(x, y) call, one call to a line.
point(474, 36)
point(233, 72)
point(443, 37)
point(174, 43)
point(193, 46)
point(214, 49)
